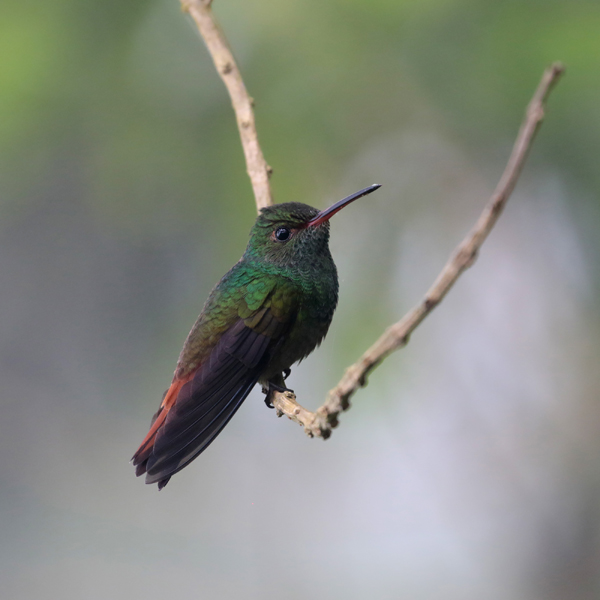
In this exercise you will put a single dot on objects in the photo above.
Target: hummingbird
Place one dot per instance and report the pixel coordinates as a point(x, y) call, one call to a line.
point(271, 310)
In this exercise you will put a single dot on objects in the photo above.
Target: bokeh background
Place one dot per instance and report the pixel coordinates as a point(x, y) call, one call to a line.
point(468, 468)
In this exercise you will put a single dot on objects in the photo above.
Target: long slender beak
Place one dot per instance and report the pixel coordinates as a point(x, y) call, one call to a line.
point(326, 214)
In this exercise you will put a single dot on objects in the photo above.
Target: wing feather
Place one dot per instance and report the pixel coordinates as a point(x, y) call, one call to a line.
point(204, 403)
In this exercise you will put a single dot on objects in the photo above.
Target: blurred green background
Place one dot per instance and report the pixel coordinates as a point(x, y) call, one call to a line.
point(469, 468)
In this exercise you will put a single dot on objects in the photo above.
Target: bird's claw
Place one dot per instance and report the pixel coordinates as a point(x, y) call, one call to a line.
point(273, 387)
point(279, 388)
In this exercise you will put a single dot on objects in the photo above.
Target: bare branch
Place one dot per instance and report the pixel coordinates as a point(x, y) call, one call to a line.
point(321, 422)
point(258, 169)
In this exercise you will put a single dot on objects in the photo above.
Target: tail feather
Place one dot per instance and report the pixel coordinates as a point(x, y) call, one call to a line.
point(167, 461)
point(140, 458)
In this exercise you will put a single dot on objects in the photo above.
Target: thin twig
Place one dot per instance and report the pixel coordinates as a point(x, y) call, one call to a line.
point(258, 169)
point(324, 419)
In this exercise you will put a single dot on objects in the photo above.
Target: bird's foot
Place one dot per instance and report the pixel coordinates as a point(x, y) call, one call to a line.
point(279, 388)
point(274, 387)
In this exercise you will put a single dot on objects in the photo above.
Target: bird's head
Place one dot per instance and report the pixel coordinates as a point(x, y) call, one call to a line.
point(294, 233)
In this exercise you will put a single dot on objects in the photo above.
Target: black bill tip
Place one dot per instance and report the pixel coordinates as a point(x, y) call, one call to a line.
point(326, 214)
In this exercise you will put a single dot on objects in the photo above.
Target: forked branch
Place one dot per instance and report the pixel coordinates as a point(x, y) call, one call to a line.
point(321, 422)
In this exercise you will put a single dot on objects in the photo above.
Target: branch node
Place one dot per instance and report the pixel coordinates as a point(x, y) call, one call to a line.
point(497, 207)
point(431, 303)
point(558, 69)
point(536, 112)
point(467, 255)
point(402, 341)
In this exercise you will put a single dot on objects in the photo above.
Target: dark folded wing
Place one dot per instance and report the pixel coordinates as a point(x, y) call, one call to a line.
point(206, 403)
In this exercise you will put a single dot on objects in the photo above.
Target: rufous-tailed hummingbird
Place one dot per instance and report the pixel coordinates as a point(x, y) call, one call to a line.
point(269, 311)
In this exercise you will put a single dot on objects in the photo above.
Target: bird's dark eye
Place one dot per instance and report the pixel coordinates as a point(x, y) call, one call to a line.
point(282, 234)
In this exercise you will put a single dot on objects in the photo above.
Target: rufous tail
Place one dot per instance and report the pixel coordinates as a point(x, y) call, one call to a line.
point(140, 458)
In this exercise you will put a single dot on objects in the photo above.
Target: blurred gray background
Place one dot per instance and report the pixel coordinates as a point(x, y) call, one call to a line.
point(468, 468)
